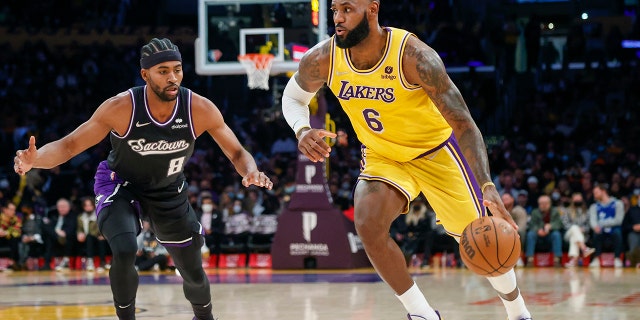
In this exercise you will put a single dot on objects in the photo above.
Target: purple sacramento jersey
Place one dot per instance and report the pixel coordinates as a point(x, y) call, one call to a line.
point(145, 169)
point(152, 154)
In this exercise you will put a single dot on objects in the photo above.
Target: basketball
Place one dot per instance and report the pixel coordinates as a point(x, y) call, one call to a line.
point(489, 246)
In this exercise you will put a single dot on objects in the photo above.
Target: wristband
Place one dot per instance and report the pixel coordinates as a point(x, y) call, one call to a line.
point(486, 184)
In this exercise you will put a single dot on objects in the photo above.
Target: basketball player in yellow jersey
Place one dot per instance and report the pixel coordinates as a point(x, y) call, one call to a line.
point(418, 136)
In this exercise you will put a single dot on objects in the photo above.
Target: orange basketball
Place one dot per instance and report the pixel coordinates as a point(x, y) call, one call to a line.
point(489, 246)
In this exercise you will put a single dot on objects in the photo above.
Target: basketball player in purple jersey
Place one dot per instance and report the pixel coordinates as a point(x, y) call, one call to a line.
point(152, 130)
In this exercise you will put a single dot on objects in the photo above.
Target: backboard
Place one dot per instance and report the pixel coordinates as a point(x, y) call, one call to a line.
point(228, 28)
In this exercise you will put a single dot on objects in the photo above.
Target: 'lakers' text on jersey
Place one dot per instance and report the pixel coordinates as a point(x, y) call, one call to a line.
point(153, 154)
point(390, 116)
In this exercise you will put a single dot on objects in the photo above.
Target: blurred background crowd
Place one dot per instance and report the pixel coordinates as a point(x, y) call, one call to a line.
point(555, 94)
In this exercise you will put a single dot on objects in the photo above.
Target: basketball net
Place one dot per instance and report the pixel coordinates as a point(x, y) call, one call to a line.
point(258, 67)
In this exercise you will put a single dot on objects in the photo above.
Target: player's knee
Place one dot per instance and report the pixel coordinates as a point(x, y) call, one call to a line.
point(124, 254)
point(362, 227)
point(371, 231)
point(124, 246)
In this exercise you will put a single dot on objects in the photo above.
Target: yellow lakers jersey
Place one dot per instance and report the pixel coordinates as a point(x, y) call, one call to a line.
point(390, 116)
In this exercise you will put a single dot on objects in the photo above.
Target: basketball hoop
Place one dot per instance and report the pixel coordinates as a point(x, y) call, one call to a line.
point(258, 67)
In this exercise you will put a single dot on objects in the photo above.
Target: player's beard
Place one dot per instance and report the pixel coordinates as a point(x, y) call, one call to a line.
point(354, 36)
point(161, 92)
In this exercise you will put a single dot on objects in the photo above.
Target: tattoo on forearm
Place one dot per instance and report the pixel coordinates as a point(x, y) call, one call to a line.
point(446, 96)
point(440, 88)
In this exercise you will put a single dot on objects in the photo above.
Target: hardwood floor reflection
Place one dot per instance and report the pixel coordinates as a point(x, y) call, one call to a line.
point(550, 293)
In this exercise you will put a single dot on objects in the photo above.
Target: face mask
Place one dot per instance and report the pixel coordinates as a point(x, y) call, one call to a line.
point(240, 196)
point(207, 207)
point(237, 208)
point(578, 203)
point(290, 189)
point(417, 208)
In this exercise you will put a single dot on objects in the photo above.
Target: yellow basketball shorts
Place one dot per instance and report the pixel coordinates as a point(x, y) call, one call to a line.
point(442, 175)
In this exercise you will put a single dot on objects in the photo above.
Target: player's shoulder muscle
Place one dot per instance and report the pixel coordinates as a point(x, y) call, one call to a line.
point(205, 114)
point(420, 62)
point(314, 65)
point(118, 103)
point(200, 104)
point(116, 111)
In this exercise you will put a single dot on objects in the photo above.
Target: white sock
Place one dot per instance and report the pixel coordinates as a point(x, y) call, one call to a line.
point(516, 309)
point(416, 304)
point(504, 284)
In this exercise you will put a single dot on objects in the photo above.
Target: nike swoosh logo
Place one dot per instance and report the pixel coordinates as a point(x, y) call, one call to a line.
point(138, 124)
point(181, 187)
point(342, 73)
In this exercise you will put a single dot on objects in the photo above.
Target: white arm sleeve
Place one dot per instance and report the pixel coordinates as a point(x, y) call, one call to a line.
point(295, 105)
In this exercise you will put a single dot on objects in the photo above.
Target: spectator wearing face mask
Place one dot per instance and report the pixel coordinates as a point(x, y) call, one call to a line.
point(211, 220)
point(575, 220)
point(237, 229)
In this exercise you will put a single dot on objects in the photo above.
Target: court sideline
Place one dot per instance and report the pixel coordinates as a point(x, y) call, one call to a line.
point(581, 293)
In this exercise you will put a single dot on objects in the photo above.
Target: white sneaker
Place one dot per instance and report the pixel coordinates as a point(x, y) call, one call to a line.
point(571, 263)
point(617, 263)
point(588, 251)
point(89, 265)
point(519, 263)
point(64, 264)
point(595, 263)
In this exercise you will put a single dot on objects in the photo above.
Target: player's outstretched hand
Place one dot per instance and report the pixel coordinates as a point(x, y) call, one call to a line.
point(311, 143)
point(493, 202)
point(23, 161)
point(257, 178)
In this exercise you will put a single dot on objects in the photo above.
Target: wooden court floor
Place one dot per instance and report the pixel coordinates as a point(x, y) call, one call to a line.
point(581, 293)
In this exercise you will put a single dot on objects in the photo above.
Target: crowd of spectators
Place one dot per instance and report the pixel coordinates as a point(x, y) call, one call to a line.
point(565, 129)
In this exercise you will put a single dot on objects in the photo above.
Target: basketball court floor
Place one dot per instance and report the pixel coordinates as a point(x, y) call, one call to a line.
point(581, 293)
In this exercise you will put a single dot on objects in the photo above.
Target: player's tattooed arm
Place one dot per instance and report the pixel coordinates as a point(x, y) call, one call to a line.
point(423, 66)
point(313, 69)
